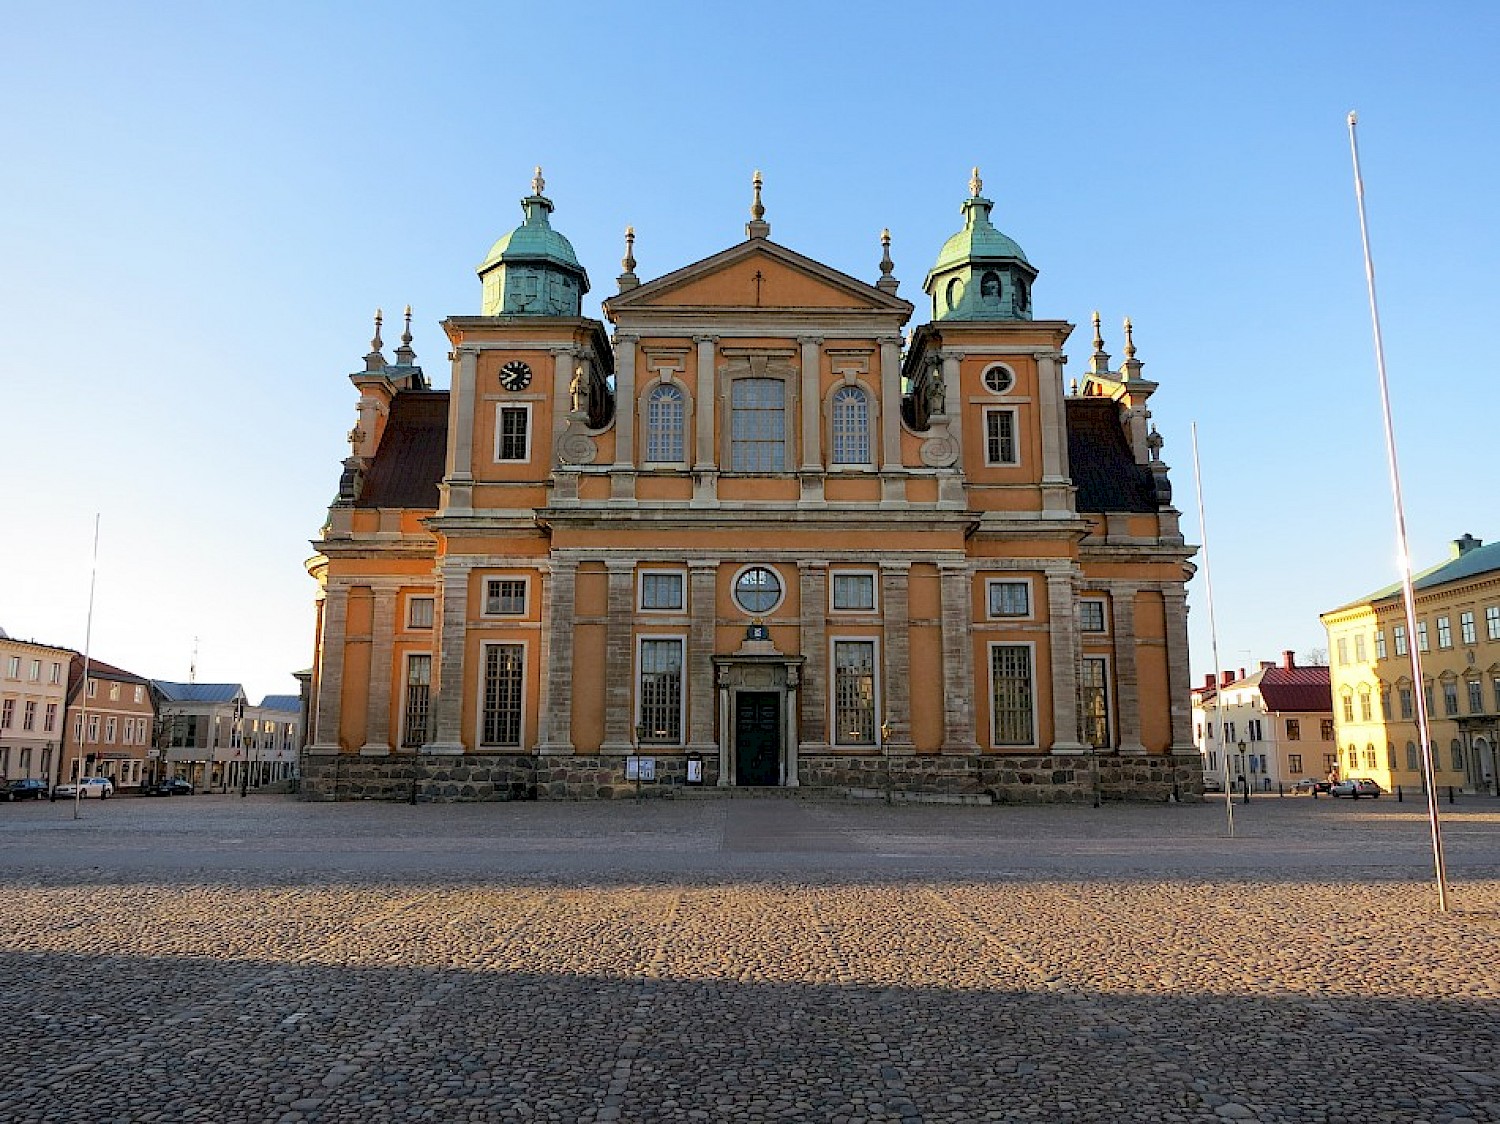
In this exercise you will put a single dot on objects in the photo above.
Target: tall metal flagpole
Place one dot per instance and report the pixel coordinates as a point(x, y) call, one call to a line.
point(1213, 633)
point(1408, 592)
point(83, 714)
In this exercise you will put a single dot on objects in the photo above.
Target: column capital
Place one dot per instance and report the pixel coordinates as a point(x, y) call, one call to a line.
point(812, 563)
point(888, 341)
point(703, 564)
point(467, 350)
point(626, 338)
point(619, 565)
point(563, 349)
point(700, 340)
point(895, 566)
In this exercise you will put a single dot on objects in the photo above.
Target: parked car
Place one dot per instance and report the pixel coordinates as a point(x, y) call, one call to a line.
point(102, 787)
point(1312, 784)
point(1212, 783)
point(28, 788)
point(172, 786)
point(1355, 787)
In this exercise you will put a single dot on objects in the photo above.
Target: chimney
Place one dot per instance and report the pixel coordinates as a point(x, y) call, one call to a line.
point(1242, 673)
point(1462, 546)
point(1288, 659)
point(1226, 677)
point(1208, 681)
point(1267, 665)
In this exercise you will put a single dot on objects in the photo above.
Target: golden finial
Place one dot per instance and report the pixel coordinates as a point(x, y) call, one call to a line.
point(538, 185)
point(976, 185)
point(757, 210)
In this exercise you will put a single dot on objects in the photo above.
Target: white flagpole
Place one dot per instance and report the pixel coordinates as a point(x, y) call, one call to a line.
point(83, 714)
point(1213, 633)
point(1408, 592)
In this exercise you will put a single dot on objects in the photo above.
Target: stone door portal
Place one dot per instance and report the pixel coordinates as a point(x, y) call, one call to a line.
point(757, 738)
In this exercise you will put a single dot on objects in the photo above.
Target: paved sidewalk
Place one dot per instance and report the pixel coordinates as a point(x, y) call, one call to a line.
point(218, 959)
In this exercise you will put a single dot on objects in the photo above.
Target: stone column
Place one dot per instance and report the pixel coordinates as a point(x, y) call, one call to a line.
point(892, 490)
point(1127, 677)
point(702, 589)
point(813, 695)
point(896, 644)
point(622, 478)
point(619, 658)
point(1179, 677)
point(378, 701)
point(330, 670)
point(705, 402)
point(726, 757)
point(448, 668)
point(812, 401)
point(959, 685)
point(1062, 631)
point(1056, 494)
point(789, 725)
point(459, 471)
point(555, 735)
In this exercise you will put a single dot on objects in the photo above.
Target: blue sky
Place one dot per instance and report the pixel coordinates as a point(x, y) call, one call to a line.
point(203, 204)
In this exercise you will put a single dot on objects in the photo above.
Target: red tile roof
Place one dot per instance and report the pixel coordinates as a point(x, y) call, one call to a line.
point(1295, 689)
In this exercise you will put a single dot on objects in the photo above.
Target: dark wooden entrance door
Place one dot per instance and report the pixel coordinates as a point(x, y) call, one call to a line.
point(757, 738)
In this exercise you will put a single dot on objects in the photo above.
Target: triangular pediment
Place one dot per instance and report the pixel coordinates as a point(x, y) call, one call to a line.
point(757, 274)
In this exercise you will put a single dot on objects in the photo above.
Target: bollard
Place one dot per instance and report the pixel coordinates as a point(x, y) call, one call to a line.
point(1280, 790)
point(1398, 794)
point(1450, 794)
point(1246, 799)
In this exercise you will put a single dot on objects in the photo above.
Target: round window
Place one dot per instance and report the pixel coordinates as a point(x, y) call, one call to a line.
point(757, 590)
point(999, 378)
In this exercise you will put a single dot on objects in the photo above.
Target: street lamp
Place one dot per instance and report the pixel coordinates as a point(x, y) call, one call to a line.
point(239, 729)
point(1244, 774)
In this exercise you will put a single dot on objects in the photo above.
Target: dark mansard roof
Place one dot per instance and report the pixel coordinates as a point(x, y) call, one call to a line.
point(1101, 462)
point(412, 453)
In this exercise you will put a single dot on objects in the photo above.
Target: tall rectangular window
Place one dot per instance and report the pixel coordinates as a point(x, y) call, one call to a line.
point(503, 681)
point(1476, 697)
point(1422, 636)
point(854, 593)
point(1359, 648)
point(512, 427)
point(1010, 599)
point(757, 425)
point(662, 591)
point(49, 720)
point(1343, 650)
point(1094, 689)
point(7, 713)
point(854, 692)
point(661, 691)
point(1445, 633)
point(1450, 698)
point(1399, 631)
point(1294, 763)
point(1325, 729)
point(418, 700)
point(1407, 701)
point(664, 421)
point(419, 612)
point(505, 597)
point(94, 728)
point(1492, 622)
point(1091, 616)
point(1293, 730)
point(28, 716)
point(35, 673)
point(1466, 627)
point(56, 674)
point(851, 426)
point(13, 667)
point(1380, 645)
point(1011, 694)
point(1000, 437)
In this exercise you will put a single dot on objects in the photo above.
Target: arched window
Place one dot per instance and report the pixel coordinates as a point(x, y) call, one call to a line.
point(664, 410)
point(1370, 756)
point(1353, 758)
point(851, 426)
point(1411, 757)
point(1390, 756)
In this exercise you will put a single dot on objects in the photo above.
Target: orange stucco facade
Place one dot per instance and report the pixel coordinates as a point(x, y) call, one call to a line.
point(756, 532)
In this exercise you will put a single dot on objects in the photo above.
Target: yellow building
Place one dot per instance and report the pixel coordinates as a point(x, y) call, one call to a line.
point(753, 536)
point(1458, 642)
point(33, 698)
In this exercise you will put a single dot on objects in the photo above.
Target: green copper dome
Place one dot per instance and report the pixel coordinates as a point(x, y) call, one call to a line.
point(980, 274)
point(533, 271)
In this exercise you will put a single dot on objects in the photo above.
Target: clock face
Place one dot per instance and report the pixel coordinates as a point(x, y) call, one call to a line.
point(515, 375)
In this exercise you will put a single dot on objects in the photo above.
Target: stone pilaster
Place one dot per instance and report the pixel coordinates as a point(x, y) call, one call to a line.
point(702, 589)
point(622, 478)
point(1062, 634)
point(458, 476)
point(331, 670)
point(1179, 677)
point(896, 645)
point(619, 659)
point(705, 404)
point(1127, 675)
point(563, 360)
point(448, 668)
point(812, 400)
point(813, 696)
point(892, 488)
point(555, 737)
point(378, 701)
point(1056, 489)
point(959, 686)
point(951, 482)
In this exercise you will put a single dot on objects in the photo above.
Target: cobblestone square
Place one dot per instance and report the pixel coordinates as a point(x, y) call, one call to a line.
point(218, 959)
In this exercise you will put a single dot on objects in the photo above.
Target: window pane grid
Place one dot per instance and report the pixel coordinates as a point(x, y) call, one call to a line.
point(664, 410)
point(661, 591)
point(854, 592)
point(1010, 670)
point(1010, 599)
point(505, 597)
point(757, 426)
point(1000, 437)
point(1095, 703)
point(513, 433)
point(502, 694)
point(418, 700)
point(661, 691)
point(851, 427)
point(854, 692)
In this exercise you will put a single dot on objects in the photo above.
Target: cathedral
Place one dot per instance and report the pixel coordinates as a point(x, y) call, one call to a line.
point(753, 530)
